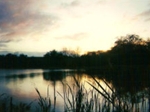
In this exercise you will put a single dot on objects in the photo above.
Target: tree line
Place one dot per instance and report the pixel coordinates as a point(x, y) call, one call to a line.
point(128, 52)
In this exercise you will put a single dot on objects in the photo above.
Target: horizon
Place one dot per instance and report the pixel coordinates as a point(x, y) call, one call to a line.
point(41, 54)
point(38, 27)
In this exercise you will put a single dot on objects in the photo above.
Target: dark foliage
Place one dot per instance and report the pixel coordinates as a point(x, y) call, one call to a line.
point(128, 52)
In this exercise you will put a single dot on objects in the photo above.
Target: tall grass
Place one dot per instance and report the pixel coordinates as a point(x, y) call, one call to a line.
point(44, 104)
point(77, 98)
point(119, 102)
point(7, 105)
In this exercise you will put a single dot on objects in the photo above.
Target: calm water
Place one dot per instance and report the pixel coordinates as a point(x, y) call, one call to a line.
point(21, 84)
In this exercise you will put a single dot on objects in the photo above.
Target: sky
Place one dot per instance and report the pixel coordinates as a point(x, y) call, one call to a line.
point(32, 26)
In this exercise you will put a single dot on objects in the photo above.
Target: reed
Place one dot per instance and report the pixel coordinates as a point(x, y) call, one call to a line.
point(7, 105)
point(118, 102)
point(77, 98)
point(44, 104)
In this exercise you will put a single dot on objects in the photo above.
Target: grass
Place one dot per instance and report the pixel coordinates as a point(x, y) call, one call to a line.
point(77, 98)
point(122, 102)
point(44, 104)
point(7, 105)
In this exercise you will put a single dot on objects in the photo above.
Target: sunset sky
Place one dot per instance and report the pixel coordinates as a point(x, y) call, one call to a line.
point(90, 25)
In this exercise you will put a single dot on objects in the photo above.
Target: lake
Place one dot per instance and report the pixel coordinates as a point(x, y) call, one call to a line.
point(21, 84)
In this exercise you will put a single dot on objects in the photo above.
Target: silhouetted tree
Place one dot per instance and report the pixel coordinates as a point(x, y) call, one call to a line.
point(130, 50)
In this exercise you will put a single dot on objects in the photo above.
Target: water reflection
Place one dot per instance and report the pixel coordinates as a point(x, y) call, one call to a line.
point(15, 77)
point(21, 84)
point(20, 76)
point(54, 75)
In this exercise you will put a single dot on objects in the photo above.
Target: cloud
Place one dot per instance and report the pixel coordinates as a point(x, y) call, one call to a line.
point(3, 41)
point(20, 18)
point(146, 15)
point(148, 19)
point(70, 4)
point(2, 46)
point(76, 36)
point(5, 14)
